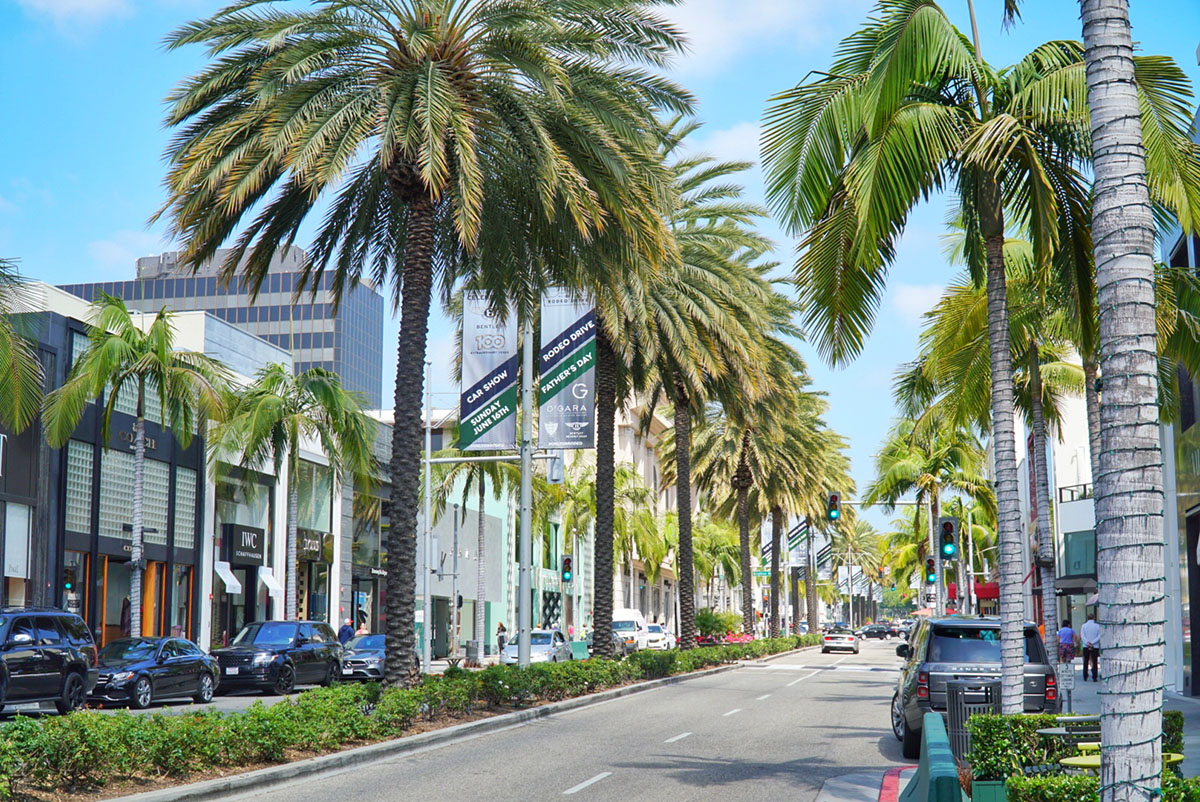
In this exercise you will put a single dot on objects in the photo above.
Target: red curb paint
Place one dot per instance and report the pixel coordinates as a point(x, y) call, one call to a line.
point(890, 790)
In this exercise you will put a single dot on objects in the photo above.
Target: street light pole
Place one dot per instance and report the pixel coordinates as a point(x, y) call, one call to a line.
point(427, 613)
point(525, 547)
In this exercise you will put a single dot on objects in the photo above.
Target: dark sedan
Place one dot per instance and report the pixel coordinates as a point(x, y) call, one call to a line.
point(619, 648)
point(363, 657)
point(875, 631)
point(138, 671)
point(276, 656)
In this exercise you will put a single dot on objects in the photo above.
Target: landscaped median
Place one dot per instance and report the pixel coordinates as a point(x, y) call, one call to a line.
point(83, 752)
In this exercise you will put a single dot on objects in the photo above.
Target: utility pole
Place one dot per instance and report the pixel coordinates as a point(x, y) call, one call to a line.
point(454, 590)
point(970, 565)
point(427, 615)
point(525, 546)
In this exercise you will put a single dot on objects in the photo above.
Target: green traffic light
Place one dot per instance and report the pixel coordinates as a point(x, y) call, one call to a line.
point(948, 549)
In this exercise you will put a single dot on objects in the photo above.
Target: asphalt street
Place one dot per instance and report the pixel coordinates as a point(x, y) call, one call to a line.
point(777, 730)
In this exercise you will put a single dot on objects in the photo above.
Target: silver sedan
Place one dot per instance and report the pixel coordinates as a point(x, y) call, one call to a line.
point(545, 646)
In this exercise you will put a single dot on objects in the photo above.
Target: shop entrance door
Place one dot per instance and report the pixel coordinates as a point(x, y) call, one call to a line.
point(116, 608)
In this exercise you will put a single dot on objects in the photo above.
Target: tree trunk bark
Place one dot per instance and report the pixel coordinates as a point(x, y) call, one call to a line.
point(810, 581)
point(1091, 395)
point(1046, 552)
point(1129, 503)
point(606, 412)
point(480, 577)
point(683, 502)
point(741, 480)
point(776, 545)
point(135, 546)
point(1012, 613)
point(401, 666)
point(291, 573)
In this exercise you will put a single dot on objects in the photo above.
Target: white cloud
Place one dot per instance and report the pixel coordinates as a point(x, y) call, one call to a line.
point(71, 13)
point(736, 143)
point(118, 254)
point(718, 30)
point(911, 301)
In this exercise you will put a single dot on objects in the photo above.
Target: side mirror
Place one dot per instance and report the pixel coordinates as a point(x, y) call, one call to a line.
point(302, 641)
point(902, 650)
point(20, 639)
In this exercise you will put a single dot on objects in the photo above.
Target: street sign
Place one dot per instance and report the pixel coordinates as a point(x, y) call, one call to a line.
point(762, 573)
point(1066, 676)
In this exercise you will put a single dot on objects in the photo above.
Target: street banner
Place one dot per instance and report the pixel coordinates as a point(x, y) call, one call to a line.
point(567, 371)
point(488, 401)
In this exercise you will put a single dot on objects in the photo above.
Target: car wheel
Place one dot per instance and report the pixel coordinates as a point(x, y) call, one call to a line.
point(331, 675)
point(204, 693)
point(910, 740)
point(74, 695)
point(285, 681)
point(897, 717)
point(824, 650)
point(856, 650)
point(142, 694)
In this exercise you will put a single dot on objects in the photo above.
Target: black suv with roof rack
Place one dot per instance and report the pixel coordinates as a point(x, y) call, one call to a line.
point(960, 647)
point(46, 655)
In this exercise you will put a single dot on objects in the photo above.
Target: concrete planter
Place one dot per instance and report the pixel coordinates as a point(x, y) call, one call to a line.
point(988, 791)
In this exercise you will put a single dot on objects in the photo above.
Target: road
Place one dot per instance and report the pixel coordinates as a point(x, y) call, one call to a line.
point(756, 733)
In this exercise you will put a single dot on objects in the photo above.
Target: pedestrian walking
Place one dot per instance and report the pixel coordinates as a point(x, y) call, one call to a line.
point(362, 629)
point(1089, 635)
point(1067, 640)
point(346, 632)
point(501, 636)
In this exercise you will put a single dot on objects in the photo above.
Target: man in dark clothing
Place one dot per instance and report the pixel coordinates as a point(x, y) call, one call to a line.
point(346, 632)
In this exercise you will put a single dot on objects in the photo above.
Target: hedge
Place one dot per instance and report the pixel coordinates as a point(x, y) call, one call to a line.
point(86, 750)
point(1002, 745)
point(1085, 789)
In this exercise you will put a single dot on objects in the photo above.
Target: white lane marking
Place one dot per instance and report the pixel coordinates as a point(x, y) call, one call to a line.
point(801, 679)
point(731, 712)
point(586, 783)
point(678, 737)
point(764, 696)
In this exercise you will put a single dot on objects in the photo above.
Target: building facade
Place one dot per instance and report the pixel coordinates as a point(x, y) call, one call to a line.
point(345, 339)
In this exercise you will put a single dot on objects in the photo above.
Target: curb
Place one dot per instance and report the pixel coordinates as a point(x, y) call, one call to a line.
point(335, 762)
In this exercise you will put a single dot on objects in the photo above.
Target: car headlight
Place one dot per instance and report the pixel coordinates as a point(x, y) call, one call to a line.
point(121, 676)
point(374, 661)
point(263, 659)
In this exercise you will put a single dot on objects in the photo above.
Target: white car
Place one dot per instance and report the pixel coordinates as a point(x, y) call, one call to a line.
point(659, 637)
point(630, 625)
point(545, 646)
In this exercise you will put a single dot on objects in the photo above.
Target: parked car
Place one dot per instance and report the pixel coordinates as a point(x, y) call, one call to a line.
point(876, 631)
point(841, 639)
point(46, 655)
point(362, 657)
point(138, 671)
point(545, 646)
point(631, 625)
point(659, 637)
point(961, 648)
point(619, 649)
point(276, 656)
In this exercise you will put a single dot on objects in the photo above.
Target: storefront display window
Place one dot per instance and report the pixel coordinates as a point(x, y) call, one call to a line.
point(315, 486)
point(366, 529)
point(18, 522)
point(185, 508)
point(79, 487)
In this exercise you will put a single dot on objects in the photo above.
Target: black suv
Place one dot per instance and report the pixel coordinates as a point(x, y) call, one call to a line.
point(46, 655)
point(276, 656)
point(955, 647)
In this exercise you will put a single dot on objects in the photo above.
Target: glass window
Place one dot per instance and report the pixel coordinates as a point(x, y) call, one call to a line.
point(21, 628)
point(267, 633)
point(156, 479)
point(976, 645)
point(365, 546)
point(188, 648)
point(185, 507)
point(315, 485)
point(170, 649)
point(79, 487)
point(48, 633)
point(129, 649)
point(116, 493)
point(76, 630)
point(18, 523)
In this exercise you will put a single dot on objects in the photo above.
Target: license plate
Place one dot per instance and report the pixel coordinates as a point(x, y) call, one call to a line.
point(231, 670)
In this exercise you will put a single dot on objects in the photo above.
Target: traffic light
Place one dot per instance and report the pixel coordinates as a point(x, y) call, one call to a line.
point(948, 547)
point(930, 572)
point(567, 568)
point(833, 509)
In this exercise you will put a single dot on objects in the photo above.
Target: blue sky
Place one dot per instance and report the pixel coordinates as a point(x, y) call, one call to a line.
point(84, 81)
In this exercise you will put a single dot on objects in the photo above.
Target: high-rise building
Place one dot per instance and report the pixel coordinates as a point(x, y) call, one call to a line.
point(347, 340)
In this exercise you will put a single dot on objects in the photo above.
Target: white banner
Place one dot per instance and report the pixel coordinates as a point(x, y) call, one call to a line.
point(488, 403)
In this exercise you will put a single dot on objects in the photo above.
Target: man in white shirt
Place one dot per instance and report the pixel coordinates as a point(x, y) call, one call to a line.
point(1089, 633)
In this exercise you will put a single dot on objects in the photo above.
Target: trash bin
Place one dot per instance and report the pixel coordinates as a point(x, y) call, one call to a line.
point(474, 654)
point(965, 698)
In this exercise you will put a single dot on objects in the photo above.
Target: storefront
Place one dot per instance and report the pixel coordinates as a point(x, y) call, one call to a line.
point(367, 578)
point(245, 587)
point(314, 545)
point(18, 503)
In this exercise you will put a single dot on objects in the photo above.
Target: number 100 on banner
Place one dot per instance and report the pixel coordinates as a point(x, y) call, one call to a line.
point(567, 371)
point(488, 400)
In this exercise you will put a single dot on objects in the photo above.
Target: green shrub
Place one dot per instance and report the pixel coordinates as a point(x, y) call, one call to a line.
point(1066, 788)
point(711, 623)
point(1002, 745)
point(396, 710)
point(1172, 731)
point(654, 664)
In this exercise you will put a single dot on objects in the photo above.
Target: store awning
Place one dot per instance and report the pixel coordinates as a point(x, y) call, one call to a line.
point(232, 586)
point(271, 583)
point(1075, 585)
point(987, 590)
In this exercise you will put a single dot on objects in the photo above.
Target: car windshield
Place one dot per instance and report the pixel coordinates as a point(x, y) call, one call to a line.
point(976, 645)
point(129, 650)
point(539, 639)
point(366, 643)
point(267, 633)
point(624, 626)
point(655, 628)
point(840, 631)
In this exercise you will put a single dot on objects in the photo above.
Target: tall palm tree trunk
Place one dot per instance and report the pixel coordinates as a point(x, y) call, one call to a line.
point(292, 574)
point(1091, 395)
point(480, 589)
point(135, 546)
point(1129, 504)
point(683, 502)
point(741, 482)
point(776, 545)
point(1042, 480)
point(1004, 449)
point(606, 412)
point(405, 464)
point(810, 581)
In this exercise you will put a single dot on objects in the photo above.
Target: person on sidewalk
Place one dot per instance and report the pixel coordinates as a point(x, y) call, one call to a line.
point(501, 636)
point(1089, 635)
point(346, 632)
point(1067, 639)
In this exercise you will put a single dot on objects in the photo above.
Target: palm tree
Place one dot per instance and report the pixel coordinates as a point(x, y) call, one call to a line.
point(461, 135)
point(908, 108)
point(276, 415)
point(122, 359)
point(635, 526)
point(21, 392)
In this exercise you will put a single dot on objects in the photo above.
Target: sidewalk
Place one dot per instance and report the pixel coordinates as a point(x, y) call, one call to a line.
point(867, 786)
